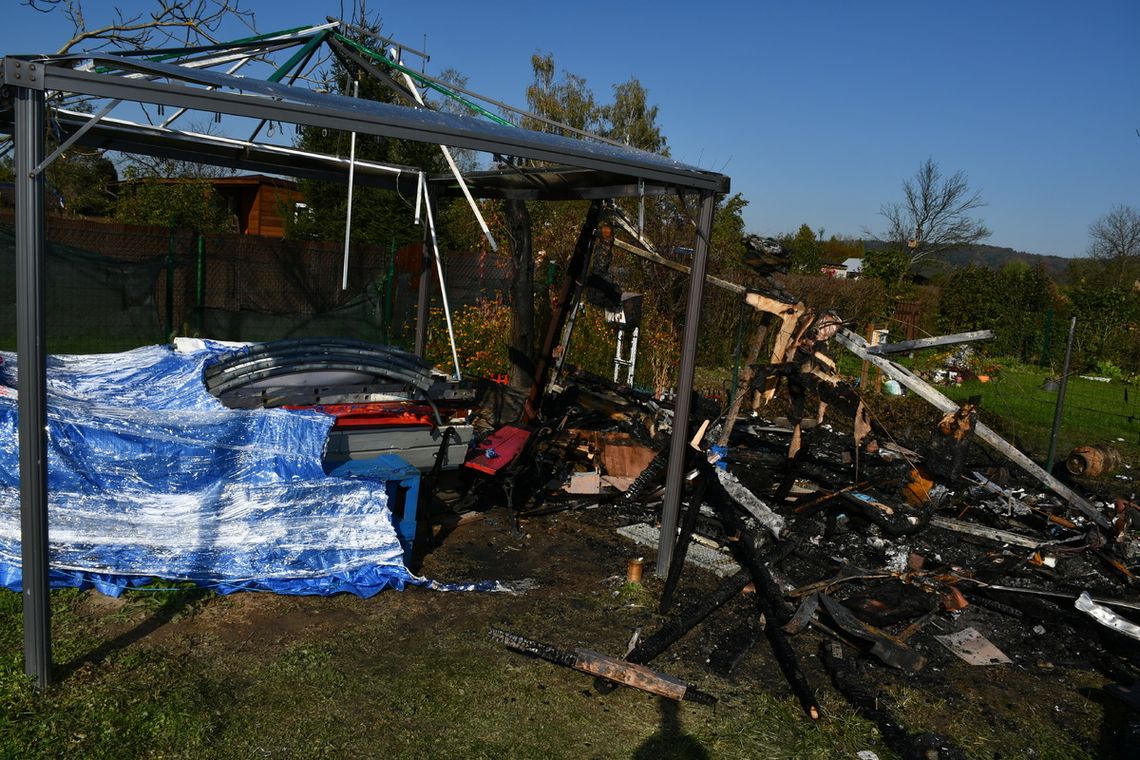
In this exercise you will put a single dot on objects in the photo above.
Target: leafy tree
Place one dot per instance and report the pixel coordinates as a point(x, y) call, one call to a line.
point(1103, 316)
point(81, 180)
point(84, 180)
point(1012, 302)
point(566, 100)
point(631, 120)
point(887, 265)
point(184, 202)
point(806, 251)
point(935, 214)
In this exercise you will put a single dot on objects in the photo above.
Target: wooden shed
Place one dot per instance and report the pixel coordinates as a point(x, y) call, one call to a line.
point(259, 202)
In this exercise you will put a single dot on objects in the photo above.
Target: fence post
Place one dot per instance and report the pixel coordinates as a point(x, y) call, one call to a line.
point(386, 308)
point(201, 283)
point(1048, 336)
point(1061, 399)
point(170, 288)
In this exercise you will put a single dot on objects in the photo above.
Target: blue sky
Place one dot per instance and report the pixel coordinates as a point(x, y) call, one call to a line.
point(817, 109)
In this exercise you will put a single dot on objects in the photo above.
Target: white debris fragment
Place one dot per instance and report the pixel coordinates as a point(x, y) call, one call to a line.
point(758, 509)
point(897, 557)
point(1107, 617)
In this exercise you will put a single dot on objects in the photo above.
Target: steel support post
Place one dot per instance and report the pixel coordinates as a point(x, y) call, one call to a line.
point(674, 479)
point(32, 383)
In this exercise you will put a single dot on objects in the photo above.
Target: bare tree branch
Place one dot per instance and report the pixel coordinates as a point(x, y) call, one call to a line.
point(1114, 239)
point(934, 215)
point(177, 22)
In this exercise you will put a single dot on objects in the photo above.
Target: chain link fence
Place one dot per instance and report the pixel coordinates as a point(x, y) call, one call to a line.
point(111, 287)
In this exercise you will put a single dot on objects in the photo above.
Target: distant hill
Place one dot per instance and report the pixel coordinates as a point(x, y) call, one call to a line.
point(992, 256)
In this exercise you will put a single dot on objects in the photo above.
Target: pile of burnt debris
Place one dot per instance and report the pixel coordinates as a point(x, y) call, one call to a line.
point(905, 553)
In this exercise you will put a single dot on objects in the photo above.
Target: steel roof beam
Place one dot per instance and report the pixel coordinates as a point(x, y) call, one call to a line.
point(300, 106)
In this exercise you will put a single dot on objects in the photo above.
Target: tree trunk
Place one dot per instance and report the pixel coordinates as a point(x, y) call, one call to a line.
point(521, 347)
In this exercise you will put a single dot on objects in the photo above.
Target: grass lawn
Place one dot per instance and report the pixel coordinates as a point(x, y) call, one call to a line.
point(1015, 403)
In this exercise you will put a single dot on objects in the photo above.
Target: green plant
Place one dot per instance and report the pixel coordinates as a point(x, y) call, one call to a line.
point(482, 330)
point(1105, 368)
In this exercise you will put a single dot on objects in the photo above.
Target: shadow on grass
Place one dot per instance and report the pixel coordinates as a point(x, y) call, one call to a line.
point(670, 741)
point(1120, 729)
point(170, 606)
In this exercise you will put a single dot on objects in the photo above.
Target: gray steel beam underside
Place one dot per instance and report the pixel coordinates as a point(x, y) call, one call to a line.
point(259, 99)
point(679, 440)
point(31, 384)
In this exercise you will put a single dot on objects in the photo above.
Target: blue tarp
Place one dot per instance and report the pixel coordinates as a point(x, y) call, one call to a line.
point(149, 476)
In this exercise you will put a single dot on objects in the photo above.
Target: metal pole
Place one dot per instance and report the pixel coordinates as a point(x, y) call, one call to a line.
point(1061, 398)
point(32, 382)
point(351, 182)
point(429, 205)
point(425, 293)
point(680, 438)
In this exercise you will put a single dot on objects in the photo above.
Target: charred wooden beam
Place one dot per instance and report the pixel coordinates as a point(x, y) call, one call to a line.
point(610, 668)
point(768, 597)
point(574, 281)
point(745, 386)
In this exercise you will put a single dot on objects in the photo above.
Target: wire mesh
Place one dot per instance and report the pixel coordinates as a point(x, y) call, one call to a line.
point(111, 286)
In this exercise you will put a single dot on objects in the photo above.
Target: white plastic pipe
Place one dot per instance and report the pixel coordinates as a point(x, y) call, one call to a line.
point(348, 213)
point(442, 285)
point(455, 171)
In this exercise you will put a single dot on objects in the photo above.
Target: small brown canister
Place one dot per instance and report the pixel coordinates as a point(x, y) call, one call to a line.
point(633, 570)
point(1092, 461)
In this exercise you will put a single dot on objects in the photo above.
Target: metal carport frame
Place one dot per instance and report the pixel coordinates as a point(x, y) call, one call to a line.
point(27, 79)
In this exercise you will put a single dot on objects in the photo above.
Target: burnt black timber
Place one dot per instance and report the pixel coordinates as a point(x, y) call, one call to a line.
point(769, 598)
point(603, 666)
point(676, 627)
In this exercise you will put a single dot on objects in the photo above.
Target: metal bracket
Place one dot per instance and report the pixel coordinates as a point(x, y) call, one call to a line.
point(75, 137)
point(21, 73)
